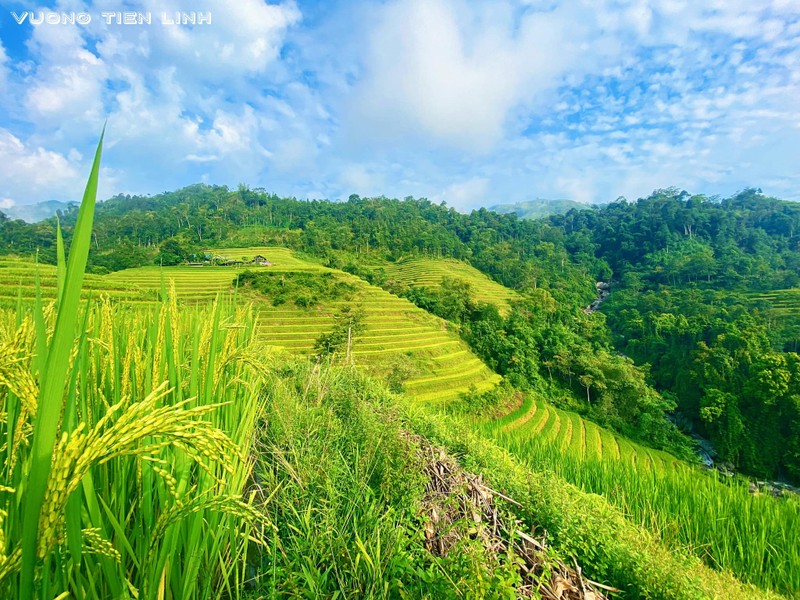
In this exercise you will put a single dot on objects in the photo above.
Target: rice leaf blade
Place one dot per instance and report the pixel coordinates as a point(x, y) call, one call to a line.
point(53, 380)
point(61, 262)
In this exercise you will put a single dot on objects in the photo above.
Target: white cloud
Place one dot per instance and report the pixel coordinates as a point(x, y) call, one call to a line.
point(30, 173)
point(640, 16)
point(69, 90)
point(243, 40)
point(201, 158)
point(449, 99)
point(69, 81)
point(8, 96)
point(293, 154)
point(3, 67)
point(453, 72)
point(357, 179)
point(176, 98)
point(465, 194)
point(6, 203)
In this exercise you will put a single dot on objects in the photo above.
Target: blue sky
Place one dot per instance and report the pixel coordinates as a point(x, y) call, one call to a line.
point(473, 103)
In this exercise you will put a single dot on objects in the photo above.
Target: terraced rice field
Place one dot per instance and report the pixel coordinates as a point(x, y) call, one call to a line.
point(718, 519)
point(429, 273)
point(781, 308)
point(443, 365)
point(192, 284)
point(780, 302)
point(203, 283)
point(18, 281)
point(282, 259)
point(573, 435)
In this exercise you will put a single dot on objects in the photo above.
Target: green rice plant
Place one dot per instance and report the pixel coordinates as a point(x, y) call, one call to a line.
point(551, 429)
point(627, 452)
point(159, 460)
point(565, 433)
point(517, 418)
point(125, 439)
point(720, 521)
point(538, 424)
point(577, 445)
point(594, 442)
point(610, 446)
point(523, 420)
point(53, 378)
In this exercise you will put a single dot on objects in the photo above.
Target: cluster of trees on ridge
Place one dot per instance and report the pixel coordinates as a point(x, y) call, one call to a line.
point(683, 268)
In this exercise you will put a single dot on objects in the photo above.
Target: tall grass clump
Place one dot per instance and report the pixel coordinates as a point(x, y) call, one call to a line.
point(346, 486)
point(350, 497)
point(125, 443)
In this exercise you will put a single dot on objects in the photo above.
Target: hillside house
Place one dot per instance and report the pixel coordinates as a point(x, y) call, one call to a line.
point(261, 261)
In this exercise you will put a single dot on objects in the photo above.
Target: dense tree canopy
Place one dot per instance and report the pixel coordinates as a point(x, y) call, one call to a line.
point(688, 300)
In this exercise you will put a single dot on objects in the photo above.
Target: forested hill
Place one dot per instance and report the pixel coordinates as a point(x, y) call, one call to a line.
point(749, 241)
point(701, 300)
point(705, 294)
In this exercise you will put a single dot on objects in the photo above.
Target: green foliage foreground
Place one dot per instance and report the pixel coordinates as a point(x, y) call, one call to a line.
point(584, 525)
point(126, 438)
point(166, 505)
point(722, 521)
point(146, 491)
point(335, 446)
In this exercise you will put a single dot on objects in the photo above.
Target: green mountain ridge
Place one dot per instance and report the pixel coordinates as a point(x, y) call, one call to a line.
point(732, 249)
